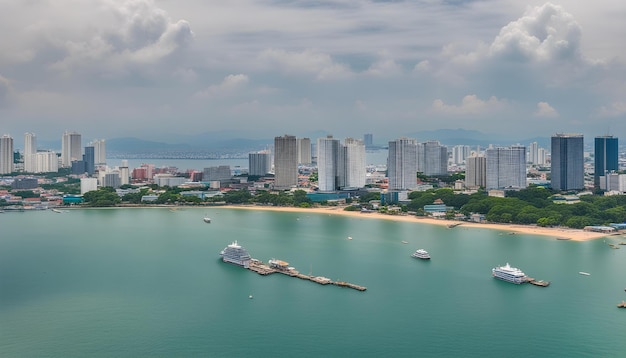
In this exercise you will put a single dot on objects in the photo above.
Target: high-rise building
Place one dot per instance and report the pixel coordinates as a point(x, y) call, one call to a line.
point(352, 166)
point(605, 157)
point(285, 162)
point(476, 172)
point(89, 159)
point(533, 153)
point(402, 164)
point(328, 163)
point(124, 175)
point(304, 150)
point(460, 153)
point(46, 162)
point(88, 184)
point(368, 140)
point(6, 154)
point(100, 153)
point(30, 152)
point(506, 167)
point(567, 162)
point(259, 164)
point(432, 158)
point(71, 148)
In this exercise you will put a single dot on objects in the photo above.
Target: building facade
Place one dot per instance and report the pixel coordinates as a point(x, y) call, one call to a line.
point(218, 173)
point(71, 148)
point(285, 162)
point(6, 154)
point(476, 172)
point(606, 155)
point(353, 170)
point(567, 162)
point(46, 162)
point(30, 153)
point(100, 152)
point(259, 164)
point(304, 150)
point(432, 158)
point(506, 167)
point(328, 164)
point(402, 164)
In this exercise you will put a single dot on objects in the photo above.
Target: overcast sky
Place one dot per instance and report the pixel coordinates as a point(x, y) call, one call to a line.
point(154, 69)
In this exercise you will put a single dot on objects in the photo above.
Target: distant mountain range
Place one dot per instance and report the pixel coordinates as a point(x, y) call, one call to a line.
point(241, 141)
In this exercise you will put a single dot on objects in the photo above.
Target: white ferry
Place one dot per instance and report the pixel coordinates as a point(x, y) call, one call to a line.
point(236, 254)
point(509, 274)
point(421, 254)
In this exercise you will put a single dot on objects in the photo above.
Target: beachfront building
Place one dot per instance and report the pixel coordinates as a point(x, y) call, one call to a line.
point(6, 154)
point(259, 163)
point(285, 162)
point(328, 163)
point(402, 164)
point(432, 158)
point(30, 153)
point(567, 163)
point(304, 150)
point(71, 148)
point(605, 157)
point(476, 172)
point(506, 167)
point(352, 166)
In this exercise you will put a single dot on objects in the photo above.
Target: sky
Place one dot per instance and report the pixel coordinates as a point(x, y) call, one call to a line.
point(166, 69)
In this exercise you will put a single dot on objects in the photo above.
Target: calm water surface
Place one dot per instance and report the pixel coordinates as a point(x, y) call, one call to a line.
point(149, 282)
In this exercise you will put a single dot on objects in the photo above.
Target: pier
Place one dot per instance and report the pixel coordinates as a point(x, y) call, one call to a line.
point(267, 269)
point(540, 283)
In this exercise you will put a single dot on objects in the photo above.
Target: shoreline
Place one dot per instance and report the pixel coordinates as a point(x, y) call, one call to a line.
point(557, 233)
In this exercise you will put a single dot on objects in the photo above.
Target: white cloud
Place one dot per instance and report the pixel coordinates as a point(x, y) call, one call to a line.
point(422, 66)
point(470, 104)
point(230, 85)
point(545, 110)
point(615, 109)
point(308, 61)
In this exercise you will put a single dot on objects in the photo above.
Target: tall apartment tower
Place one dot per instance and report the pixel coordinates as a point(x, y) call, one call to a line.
point(432, 158)
point(353, 164)
point(533, 153)
point(46, 162)
point(368, 140)
point(89, 159)
point(259, 164)
point(6, 154)
point(402, 164)
point(506, 167)
point(476, 172)
point(285, 162)
point(567, 166)
point(460, 153)
point(71, 148)
point(304, 150)
point(328, 163)
point(100, 153)
point(30, 153)
point(605, 157)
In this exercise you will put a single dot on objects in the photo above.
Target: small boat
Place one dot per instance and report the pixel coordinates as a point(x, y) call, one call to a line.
point(405, 242)
point(57, 211)
point(563, 238)
point(250, 297)
point(585, 273)
point(421, 254)
point(349, 237)
point(207, 219)
point(621, 305)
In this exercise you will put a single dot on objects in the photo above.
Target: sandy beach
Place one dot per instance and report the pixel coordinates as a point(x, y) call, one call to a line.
point(562, 233)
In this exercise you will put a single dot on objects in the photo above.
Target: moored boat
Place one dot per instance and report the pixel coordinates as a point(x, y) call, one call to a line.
point(236, 254)
point(509, 274)
point(421, 254)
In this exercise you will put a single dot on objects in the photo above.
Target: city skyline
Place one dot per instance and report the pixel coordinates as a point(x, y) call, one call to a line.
point(162, 70)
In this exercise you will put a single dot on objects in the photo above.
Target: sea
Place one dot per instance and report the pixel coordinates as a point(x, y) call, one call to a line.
point(149, 282)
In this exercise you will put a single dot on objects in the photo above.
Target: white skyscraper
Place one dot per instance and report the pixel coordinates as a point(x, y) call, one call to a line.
point(460, 153)
point(402, 164)
point(353, 164)
point(6, 154)
point(30, 151)
point(533, 152)
point(328, 163)
point(71, 148)
point(285, 162)
point(304, 150)
point(46, 162)
point(432, 158)
point(100, 153)
point(506, 167)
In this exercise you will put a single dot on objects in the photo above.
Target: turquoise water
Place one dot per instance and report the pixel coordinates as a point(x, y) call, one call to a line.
point(149, 282)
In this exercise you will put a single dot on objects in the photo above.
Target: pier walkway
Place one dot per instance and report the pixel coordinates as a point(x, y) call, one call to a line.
point(264, 269)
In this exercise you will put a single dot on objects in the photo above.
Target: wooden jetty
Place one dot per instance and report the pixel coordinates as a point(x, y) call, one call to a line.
point(266, 269)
